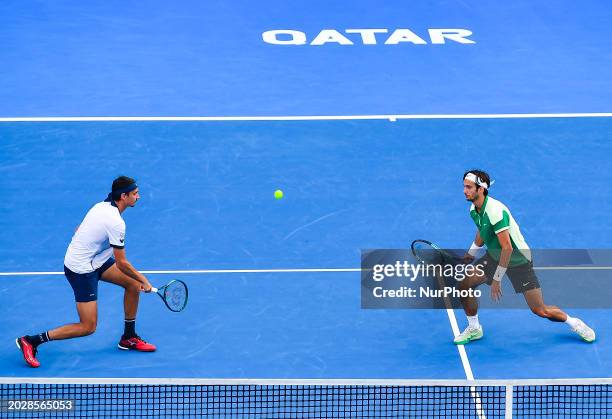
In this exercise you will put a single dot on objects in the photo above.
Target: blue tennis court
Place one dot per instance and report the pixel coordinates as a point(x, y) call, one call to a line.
point(274, 284)
point(207, 204)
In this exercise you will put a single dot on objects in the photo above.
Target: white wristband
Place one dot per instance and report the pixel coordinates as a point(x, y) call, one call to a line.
point(474, 249)
point(499, 273)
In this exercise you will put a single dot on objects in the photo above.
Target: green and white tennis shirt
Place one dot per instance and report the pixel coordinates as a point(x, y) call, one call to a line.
point(493, 218)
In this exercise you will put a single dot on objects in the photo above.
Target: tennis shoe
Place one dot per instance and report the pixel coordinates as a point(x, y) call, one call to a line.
point(29, 352)
point(468, 335)
point(585, 332)
point(135, 343)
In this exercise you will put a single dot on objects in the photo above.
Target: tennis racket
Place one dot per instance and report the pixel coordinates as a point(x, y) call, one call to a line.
point(429, 253)
point(174, 294)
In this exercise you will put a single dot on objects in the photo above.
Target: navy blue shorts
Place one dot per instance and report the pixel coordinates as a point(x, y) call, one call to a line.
point(85, 286)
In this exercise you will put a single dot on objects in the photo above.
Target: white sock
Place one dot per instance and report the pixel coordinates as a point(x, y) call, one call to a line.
point(473, 321)
point(572, 321)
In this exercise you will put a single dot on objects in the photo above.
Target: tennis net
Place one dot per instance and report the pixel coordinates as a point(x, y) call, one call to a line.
point(111, 398)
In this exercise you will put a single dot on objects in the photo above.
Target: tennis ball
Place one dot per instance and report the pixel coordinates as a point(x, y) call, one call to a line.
point(278, 194)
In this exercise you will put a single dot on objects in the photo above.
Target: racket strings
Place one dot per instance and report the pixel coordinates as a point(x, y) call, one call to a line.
point(428, 254)
point(175, 296)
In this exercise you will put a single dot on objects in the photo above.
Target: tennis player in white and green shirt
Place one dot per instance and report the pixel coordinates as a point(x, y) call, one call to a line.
point(507, 254)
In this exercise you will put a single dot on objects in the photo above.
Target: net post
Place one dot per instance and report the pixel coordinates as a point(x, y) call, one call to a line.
point(509, 399)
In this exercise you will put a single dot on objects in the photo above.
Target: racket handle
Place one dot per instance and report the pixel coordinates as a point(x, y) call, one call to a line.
point(153, 289)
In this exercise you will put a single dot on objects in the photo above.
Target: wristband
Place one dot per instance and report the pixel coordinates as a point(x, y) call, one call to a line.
point(474, 248)
point(499, 273)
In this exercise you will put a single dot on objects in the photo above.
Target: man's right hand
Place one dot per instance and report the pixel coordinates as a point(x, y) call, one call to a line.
point(467, 258)
point(146, 286)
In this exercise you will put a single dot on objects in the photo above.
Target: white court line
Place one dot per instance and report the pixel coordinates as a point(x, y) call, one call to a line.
point(294, 270)
point(208, 271)
point(467, 368)
point(466, 364)
point(461, 348)
point(308, 381)
point(302, 118)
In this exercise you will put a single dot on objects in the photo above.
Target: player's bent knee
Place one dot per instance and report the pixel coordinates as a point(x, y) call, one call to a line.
point(88, 328)
point(131, 286)
point(471, 281)
point(464, 285)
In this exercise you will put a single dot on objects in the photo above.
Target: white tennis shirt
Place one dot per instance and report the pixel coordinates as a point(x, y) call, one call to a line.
point(92, 243)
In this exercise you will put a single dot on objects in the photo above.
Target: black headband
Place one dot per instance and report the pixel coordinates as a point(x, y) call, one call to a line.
point(125, 189)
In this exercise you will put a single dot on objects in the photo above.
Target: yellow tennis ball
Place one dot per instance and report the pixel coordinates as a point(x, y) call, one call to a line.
point(278, 194)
